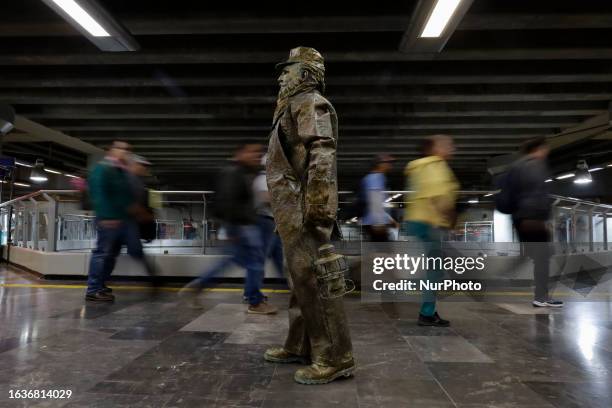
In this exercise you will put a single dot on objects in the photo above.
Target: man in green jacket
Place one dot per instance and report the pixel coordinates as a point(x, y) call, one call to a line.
point(113, 201)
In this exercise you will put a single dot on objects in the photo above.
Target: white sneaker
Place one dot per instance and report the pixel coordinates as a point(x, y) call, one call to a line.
point(547, 303)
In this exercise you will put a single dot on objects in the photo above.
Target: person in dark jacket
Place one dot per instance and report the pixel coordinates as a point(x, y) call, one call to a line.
point(113, 201)
point(142, 211)
point(533, 209)
point(236, 208)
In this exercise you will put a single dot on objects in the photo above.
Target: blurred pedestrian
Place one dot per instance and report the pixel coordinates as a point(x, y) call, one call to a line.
point(273, 248)
point(270, 240)
point(532, 211)
point(431, 210)
point(376, 220)
point(114, 201)
point(236, 208)
point(141, 210)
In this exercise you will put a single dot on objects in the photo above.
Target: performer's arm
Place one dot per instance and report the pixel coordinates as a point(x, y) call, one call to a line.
point(316, 133)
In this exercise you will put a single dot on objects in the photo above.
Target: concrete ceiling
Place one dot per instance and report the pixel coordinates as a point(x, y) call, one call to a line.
point(204, 81)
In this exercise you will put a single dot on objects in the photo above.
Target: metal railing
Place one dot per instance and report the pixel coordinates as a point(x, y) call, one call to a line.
point(51, 220)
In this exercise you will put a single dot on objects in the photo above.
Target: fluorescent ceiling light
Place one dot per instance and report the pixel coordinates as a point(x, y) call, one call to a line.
point(38, 179)
point(564, 176)
point(583, 180)
point(23, 164)
point(488, 194)
point(82, 18)
point(71, 175)
point(22, 184)
point(609, 165)
point(52, 171)
point(548, 180)
point(439, 18)
point(595, 169)
point(473, 201)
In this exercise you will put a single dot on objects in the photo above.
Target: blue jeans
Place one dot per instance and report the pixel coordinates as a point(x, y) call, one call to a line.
point(431, 238)
point(271, 242)
point(108, 246)
point(246, 251)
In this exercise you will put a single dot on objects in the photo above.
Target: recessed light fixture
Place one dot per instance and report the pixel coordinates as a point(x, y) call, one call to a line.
point(38, 172)
point(582, 173)
point(565, 176)
point(548, 180)
point(488, 194)
point(439, 18)
point(82, 18)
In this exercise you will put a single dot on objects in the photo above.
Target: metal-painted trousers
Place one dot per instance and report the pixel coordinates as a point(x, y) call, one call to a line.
point(317, 327)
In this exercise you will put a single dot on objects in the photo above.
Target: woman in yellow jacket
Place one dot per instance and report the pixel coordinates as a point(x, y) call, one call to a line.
point(431, 210)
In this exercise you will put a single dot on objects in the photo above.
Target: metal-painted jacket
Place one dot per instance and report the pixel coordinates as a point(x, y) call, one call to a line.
point(301, 166)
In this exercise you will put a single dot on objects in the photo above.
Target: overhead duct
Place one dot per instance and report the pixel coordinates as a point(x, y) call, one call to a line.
point(591, 128)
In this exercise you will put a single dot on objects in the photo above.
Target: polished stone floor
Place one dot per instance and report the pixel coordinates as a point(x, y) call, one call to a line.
point(158, 352)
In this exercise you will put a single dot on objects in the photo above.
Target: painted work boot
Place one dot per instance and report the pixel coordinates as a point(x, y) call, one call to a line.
point(321, 374)
point(280, 355)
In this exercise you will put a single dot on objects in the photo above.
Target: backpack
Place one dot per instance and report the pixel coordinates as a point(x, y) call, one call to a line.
point(506, 198)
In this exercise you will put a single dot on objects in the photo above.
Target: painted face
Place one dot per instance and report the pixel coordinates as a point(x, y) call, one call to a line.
point(290, 76)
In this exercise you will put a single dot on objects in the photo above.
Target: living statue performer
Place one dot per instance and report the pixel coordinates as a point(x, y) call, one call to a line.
point(301, 176)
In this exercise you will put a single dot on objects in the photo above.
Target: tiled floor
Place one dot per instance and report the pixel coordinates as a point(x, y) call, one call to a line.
point(157, 352)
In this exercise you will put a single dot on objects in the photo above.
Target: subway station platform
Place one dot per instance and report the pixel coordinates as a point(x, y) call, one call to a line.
point(154, 351)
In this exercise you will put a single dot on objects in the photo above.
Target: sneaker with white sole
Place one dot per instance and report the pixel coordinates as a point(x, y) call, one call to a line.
point(547, 303)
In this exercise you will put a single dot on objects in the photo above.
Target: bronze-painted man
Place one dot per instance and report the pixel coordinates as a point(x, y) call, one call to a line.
point(301, 175)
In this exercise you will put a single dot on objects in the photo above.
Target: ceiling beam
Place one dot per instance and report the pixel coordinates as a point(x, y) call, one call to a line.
point(172, 138)
point(206, 24)
point(265, 128)
point(409, 110)
point(51, 135)
point(584, 131)
point(354, 114)
point(365, 80)
point(18, 98)
point(535, 21)
point(265, 57)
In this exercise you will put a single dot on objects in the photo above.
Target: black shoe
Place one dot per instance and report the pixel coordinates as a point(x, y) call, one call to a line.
point(434, 320)
point(106, 289)
point(100, 297)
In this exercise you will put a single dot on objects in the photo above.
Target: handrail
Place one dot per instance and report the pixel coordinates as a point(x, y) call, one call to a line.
point(465, 192)
point(35, 194)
